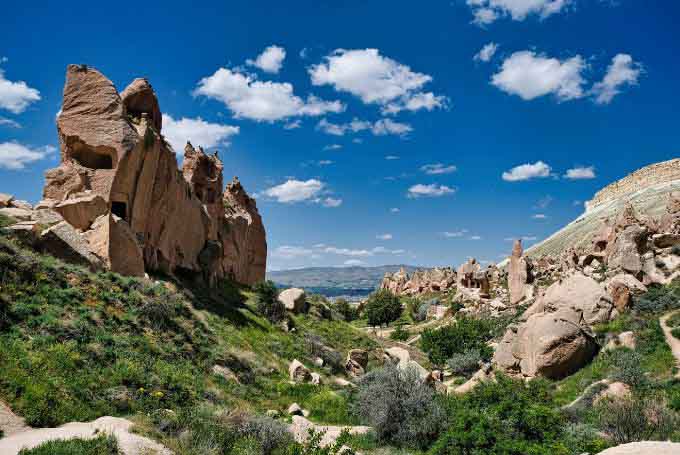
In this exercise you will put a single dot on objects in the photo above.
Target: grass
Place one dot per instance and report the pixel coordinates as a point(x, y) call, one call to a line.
point(76, 345)
point(6, 221)
point(101, 445)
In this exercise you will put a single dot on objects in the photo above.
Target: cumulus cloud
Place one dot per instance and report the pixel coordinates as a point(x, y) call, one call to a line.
point(295, 124)
point(530, 75)
point(293, 252)
point(580, 173)
point(539, 216)
point(9, 123)
point(15, 156)
point(196, 130)
point(438, 168)
point(384, 237)
point(270, 60)
point(621, 72)
point(486, 53)
point(376, 79)
point(528, 171)
point(16, 96)
point(454, 234)
point(381, 127)
point(295, 191)
point(391, 157)
point(475, 237)
point(487, 11)
point(331, 202)
point(431, 190)
point(250, 98)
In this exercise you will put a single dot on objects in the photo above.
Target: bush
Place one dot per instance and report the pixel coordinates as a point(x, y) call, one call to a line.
point(313, 446)
point(659, 299)
point(507, 417)
point(631, 419)
point(628, 367)
point(101, 445)
point(464, 335)
point(267, 302)
point(399, 406)
point(465, 363)
point(269, 433)
point(348, 312)
point(382, 308)
point(400, 334)
point(673, 321)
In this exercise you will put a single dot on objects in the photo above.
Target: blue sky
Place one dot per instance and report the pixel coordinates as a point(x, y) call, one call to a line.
point(484, 146)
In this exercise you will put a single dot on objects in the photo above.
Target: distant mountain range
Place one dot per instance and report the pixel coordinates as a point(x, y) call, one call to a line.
point(335, 281)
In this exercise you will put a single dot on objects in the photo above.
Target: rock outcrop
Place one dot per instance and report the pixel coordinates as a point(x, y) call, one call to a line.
point(420, 281)
point(519, 274)
point(119, 185)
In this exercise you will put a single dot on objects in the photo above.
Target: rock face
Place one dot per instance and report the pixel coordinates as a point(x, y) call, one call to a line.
point(580, 293)
point(644, 448)
point(420, 281)
point(518, 274)
point(115, 163)
point(552, 345)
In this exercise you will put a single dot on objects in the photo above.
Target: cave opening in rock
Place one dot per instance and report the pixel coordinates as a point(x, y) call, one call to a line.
point(90, 158)
point(119, 209)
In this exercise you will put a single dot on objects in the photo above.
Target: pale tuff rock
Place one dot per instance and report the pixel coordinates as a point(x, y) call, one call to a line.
point(420, 281)
point(622, 288)
point(301, 427)
point(623, 339)
point(356, 363)
point(519, 274)
point(114, 161)
point(294, 299)
point(298, 372)
point(579, 293)
point(63, 241)
point(644, 448)
point(5, 200)
point(402, 359)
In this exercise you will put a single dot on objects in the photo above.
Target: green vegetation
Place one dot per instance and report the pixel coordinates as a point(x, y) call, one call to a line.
point(400, 334)
point(267, 303)
point(348, 312)
point(382, 308)
point(464, 335)
point(101, 445)
point(6, 221)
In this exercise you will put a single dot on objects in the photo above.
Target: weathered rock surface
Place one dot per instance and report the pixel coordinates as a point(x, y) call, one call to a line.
point(114, 160)
point(552, 345)
point(626, 250)
point(294, 299)
point(112, 240)
point(622, 288)
point(64, 242)
point(644, 448)
point(298, 372)
point(420, 281)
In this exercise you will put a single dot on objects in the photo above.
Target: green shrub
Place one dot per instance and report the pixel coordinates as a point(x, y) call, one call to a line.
point(399, 406)
point(659, 299)
point(629, 419)
point(627, 366)
point(673, 321)
point(502, 418)
point(329, 407)
point(101, 445)
point(400, 334)
point(676, 332)
point(345, 309)
point(267, 302)
point(465, 363)
point(463, 335)
point(270, 434)
point(313, 446)
point(382, 308)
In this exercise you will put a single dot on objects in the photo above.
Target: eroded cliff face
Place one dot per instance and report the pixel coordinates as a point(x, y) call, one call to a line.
point(175, 222)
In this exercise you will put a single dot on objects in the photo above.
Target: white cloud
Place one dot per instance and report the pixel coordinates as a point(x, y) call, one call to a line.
point(16, 96)
point(475, 237)
point(580, 173)
point(15, 156)
point(544, 202)
point(529, 76)
point(377, 79)
point(292, 252)
point(354, 262)
point(539, 216)
point(391, 157)
point(431, 190)
point(487, 11)
point(539, 169)
point(325, 162)
point(486, 53)
point(454, 234)
point(257, 100)
point(9, 123)
point(295, 124)
point(270, 60)
point(196, 130)
point(331, 202)
point(622, 71)
point(438, 168)
point(381, 127)
point(333, 147)
point(295, 190)
point(394, 210)
point(384, 237)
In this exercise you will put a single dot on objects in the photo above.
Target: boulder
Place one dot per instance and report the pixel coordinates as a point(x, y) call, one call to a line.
point(402, 358)
point(64, 242)
point(112, 240)
point(360, 356)
point(81, 211)
point(294, 299)
point(17, 214)
point(27, 232)
point(316, 378)
point(19, 204)
point(46, 217)
point(644, 448)
point(295, 410)
point(298, 372)
point(666, 240)
point(622, 340)
point(5, 200)
point(580, 293)
point(622, 288)
point(552, 345)
point(625, 252)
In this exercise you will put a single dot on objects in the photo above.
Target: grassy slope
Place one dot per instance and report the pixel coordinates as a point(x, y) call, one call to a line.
point(75, 345)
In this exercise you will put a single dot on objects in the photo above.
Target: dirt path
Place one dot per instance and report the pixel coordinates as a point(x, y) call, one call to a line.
point(10, 423)
point(673, 342)
point(129, 443)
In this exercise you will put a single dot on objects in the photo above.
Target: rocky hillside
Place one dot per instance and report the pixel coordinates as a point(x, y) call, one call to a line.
point(646, 189)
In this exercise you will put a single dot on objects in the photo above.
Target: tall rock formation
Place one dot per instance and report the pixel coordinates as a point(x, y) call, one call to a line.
point(519, 274)
point(165, 220)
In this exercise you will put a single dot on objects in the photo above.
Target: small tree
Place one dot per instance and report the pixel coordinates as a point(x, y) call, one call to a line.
point(466, 334)
point(630, 419)
point(267, 301)
point(347, 311)
point(382, 308)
